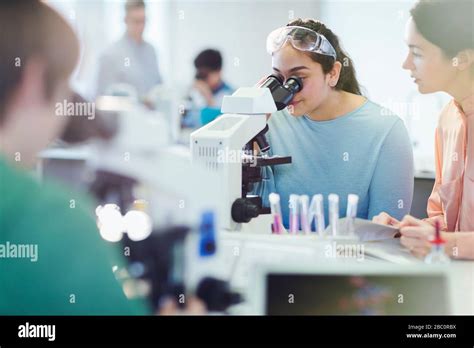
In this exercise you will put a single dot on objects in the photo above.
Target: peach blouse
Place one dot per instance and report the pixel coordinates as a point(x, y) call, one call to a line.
point(453, 194)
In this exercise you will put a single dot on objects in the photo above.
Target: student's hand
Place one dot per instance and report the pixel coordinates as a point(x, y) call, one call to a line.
point(204, 89)
point(416, 235)
point(440, 218)
point(385, 219)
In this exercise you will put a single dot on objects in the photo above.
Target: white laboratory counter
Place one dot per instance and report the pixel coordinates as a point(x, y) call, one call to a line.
point(240, 254)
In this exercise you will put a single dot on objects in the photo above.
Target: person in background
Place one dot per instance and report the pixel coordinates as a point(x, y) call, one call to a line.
point(131, 60)
point(208, 91)
point(441, 58)
point(67, 269)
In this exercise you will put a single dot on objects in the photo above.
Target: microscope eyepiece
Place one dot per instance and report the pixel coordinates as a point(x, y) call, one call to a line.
point(282, 93)
point(272, 82)
point(294, 84)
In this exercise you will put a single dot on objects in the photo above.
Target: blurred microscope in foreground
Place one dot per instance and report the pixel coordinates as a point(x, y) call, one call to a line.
point(161, 201)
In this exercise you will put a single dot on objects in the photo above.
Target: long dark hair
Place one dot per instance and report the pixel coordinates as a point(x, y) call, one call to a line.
point(347, 79)
point(446, 24)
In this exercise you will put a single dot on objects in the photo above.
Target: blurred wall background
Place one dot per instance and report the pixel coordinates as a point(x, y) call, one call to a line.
point(371, 31)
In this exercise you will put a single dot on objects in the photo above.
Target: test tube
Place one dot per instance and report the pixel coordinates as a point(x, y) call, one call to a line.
point(317, 211)
point(304, 214)
point(275, 208)
point(294, 223)
point(351, 213)
point(333, 212)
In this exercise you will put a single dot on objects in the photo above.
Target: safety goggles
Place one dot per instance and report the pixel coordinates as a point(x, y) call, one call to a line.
point(301, 38)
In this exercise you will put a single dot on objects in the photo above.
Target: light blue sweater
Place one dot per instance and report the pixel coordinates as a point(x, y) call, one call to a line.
point(365, 152)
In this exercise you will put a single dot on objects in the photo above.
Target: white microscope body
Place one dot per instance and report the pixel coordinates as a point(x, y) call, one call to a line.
point(218, 146)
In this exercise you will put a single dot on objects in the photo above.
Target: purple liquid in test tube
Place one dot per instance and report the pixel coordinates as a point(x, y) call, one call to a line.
point(275, 208)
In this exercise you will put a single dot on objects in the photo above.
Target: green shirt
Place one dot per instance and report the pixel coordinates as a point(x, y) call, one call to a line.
point(71, 271)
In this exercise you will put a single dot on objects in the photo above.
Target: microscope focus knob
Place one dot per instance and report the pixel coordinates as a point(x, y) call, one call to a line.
point(243, 210)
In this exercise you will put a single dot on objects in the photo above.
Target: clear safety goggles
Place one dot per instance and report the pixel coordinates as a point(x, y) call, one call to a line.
point(301, 38)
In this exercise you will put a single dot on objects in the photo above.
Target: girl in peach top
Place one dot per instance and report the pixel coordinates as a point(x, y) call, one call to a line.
point(441, 58)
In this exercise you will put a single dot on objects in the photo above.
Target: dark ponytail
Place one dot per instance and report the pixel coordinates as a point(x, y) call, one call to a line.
point(347, 79)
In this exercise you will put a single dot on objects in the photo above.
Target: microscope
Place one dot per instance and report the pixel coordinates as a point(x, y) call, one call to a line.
point(228, 146)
